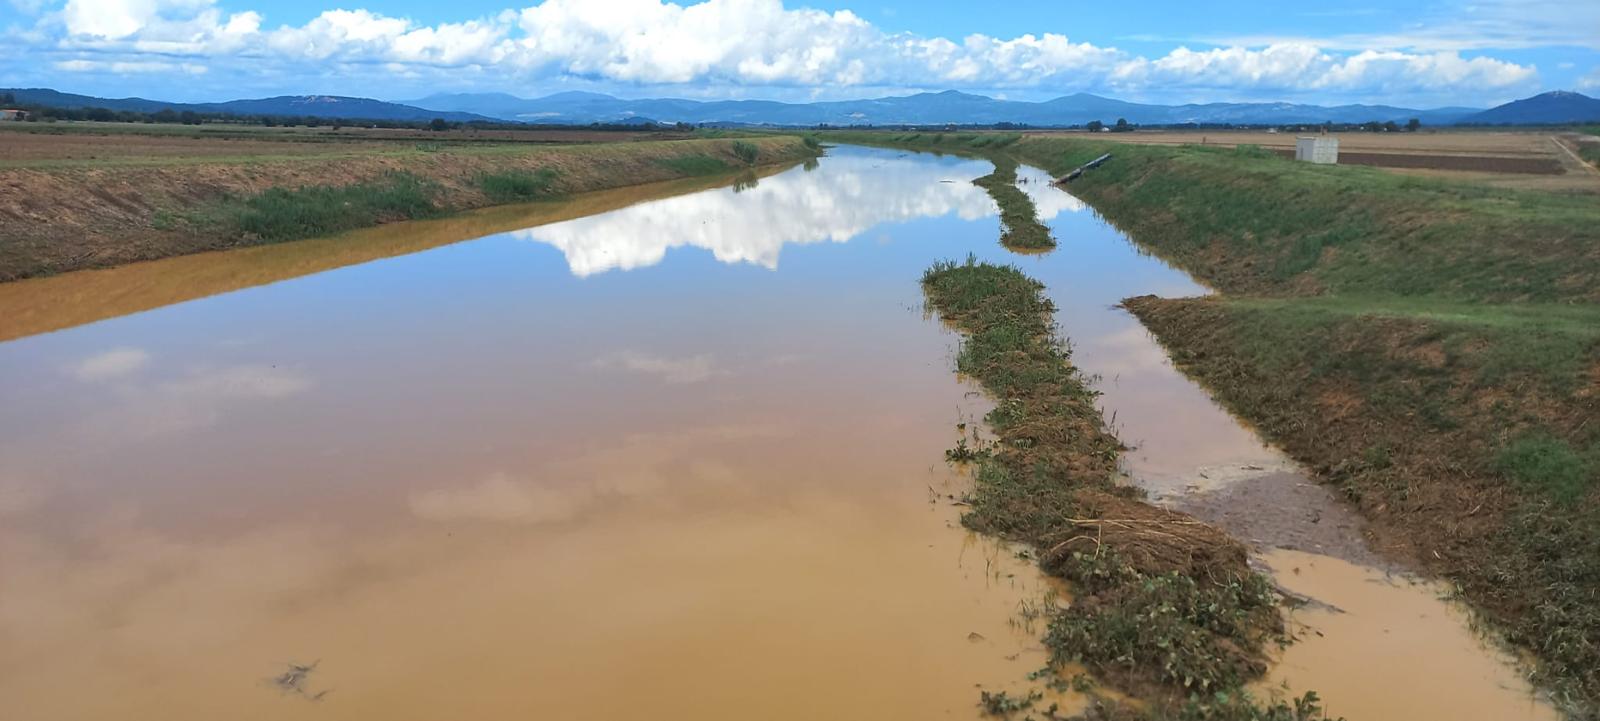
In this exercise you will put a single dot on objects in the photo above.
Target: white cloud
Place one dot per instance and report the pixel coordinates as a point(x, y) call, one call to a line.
point(124, 67)
point(113, 363)
point(738, 43)
point(693, 369)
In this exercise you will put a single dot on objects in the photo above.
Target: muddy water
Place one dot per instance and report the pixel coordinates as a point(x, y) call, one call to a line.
point(678, 458)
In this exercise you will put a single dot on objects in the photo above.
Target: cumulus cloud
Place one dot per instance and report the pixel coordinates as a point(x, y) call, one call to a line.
point(741, 43)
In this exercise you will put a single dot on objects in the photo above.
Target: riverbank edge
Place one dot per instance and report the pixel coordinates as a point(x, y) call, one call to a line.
point(63, 219)
point(1269, 233)
point(1165, 607)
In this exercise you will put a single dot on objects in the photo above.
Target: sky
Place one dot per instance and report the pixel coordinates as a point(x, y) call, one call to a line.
point(1419, 54)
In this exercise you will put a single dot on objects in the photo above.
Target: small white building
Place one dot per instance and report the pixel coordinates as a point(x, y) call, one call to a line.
point(1317, 149)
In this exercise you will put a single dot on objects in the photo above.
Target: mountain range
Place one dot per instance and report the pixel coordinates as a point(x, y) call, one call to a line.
point(317, 106)
point(949, 107)
point(952, 107)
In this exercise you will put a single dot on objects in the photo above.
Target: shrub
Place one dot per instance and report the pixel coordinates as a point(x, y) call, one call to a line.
point(746, 152)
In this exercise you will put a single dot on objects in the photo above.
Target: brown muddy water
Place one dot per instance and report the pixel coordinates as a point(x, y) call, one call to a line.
point(675, 458)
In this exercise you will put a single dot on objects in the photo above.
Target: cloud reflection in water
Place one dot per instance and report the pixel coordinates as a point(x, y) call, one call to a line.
point(752, 224)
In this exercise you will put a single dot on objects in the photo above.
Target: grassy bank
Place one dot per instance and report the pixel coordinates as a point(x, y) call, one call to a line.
point(1164, 606)
point(1428, 346)
point(59, 219)
point(1469, 433)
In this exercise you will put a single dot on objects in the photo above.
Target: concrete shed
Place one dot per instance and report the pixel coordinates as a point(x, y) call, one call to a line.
point(1317, 149)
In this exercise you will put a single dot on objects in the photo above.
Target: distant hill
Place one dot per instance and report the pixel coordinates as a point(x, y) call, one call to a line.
point(56, 99)
point(949, 107)
point(1552, 108)
point(922, 109)
point(317, 106)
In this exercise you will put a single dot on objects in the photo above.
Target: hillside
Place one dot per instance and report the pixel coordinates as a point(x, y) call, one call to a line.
point(1552, 108)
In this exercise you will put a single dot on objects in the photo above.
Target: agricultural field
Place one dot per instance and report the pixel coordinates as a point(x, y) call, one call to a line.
point(1511, 159)
point(89, 143)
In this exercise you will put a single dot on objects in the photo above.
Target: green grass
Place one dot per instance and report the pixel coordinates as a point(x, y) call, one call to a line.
point(512, 186)
point(1019, 220)
point(280, 214)
point(1550, 466)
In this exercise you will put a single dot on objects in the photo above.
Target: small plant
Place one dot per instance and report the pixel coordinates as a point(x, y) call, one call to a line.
point(963, 453)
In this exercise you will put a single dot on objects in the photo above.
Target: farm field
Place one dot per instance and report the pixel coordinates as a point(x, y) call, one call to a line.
point(48, 144)
point(1512, 159)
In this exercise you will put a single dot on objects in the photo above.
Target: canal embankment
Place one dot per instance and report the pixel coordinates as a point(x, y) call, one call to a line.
point(67, 216)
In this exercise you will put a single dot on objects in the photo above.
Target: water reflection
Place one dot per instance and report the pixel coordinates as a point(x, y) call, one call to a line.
point(751, 222)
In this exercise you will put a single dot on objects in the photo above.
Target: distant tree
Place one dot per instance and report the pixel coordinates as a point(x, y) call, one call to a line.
point(1122, 126)
point(1412, 125)
point(1095, 126)
point(438, 125)
point(8, 99)
point(189, 117)
point(1390, 127)
point(167, 115)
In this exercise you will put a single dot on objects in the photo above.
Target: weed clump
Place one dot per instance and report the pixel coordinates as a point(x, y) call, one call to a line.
point(746, 152)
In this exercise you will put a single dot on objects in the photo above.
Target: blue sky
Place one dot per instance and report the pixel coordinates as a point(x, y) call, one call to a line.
point(1477, 52)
